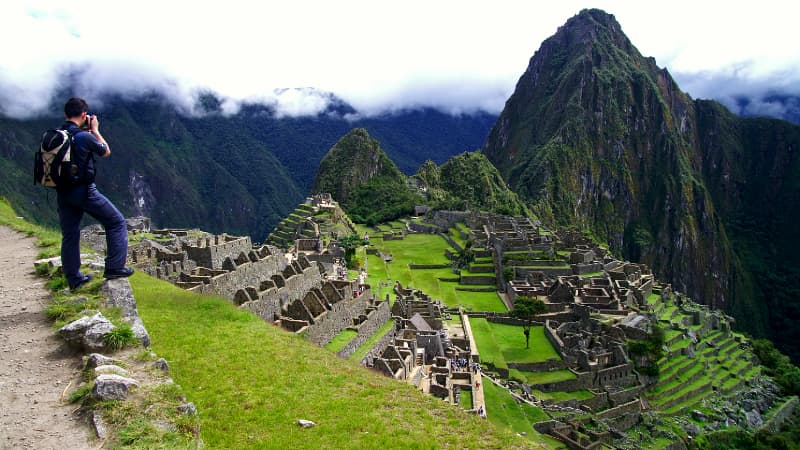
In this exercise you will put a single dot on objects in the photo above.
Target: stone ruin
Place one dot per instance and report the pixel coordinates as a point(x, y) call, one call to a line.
point(285, 289)
point(595, 303)
point(438, 359)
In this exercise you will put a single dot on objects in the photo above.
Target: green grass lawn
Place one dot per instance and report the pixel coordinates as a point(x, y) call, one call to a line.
point(426, 249)
point(561, 396)
point(340, 340)
point(593, 274)
point(455, 235)
point(252, 381)
point(553, 376)
point(504, 411)
point(500, 343)
point(361, 351)
point(466, 399)
point(418, 248)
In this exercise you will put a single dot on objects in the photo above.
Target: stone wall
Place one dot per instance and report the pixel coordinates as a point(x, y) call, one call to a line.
point(784, 413)
point(211, 252)
point(447, 219)
point(339, 317)
point(584, 381)
point(270, 302)
point(580, 269)
point(423, 228)
point(478, 279)
point(624, 396)
point(617, 375)
point(450, 241)
point(545, 366)
point(247, 274)
point(552, 336)
point(375, 320)
point(623, 416)
point(596, 403)
point(379, 347)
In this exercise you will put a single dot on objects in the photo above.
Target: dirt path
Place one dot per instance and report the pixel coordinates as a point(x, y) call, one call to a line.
point(35, 366)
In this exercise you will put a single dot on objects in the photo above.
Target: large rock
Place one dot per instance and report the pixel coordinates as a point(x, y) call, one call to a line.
point(87, 332)
point(96, 359)
point(110, 369)
point(112, 387)
point(754, 419)
point(119, 294)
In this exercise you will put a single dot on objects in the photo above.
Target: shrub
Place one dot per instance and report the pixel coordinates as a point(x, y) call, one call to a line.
point(120, 337)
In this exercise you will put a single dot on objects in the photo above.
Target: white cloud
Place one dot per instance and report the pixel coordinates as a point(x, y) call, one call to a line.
point(454, 55)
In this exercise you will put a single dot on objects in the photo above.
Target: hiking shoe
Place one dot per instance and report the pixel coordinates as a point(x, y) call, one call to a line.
point(82, 283)
point(111, 274)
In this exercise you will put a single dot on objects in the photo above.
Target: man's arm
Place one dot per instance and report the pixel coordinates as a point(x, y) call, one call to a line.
point(94, 126)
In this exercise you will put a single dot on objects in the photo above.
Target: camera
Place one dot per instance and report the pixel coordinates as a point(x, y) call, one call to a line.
point(87, 125)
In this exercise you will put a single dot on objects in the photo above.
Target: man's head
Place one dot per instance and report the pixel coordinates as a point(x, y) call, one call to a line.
point(76, 108)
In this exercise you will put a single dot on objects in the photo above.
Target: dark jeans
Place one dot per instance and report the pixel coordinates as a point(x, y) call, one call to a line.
point(72, 203)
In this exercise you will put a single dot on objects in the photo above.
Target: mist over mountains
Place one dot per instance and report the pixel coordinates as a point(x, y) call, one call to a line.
point(595, 136)
point(239, 173)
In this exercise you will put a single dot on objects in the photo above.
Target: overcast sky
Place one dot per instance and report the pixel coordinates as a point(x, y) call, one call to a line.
point(458, 56)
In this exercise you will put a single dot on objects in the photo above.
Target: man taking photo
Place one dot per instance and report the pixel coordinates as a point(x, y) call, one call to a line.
point(83, 197)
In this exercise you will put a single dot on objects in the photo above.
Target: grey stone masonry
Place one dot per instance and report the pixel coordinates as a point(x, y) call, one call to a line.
point(212, 251)
point(376, 318)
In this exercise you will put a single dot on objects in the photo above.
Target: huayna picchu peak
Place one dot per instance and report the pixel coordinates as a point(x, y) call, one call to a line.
point(597, 136)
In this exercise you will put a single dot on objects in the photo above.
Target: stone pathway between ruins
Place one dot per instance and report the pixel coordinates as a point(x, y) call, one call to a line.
point(35, 366)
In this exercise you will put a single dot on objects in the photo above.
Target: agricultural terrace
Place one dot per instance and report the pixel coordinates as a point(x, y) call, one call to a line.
point(500, 344)
point(440, 283)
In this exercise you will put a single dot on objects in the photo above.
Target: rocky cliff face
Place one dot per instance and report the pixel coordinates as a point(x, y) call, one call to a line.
point(597, 135)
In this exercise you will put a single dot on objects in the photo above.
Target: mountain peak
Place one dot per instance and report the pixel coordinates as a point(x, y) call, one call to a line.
point(354, 160)
point(589, 29)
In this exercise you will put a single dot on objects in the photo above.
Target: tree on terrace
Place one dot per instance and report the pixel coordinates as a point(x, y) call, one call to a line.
point(527, 308)
point(349, 243)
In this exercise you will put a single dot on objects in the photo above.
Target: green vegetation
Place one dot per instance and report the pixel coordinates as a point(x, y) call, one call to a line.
point(786, 374)
point(469, 182)
point(426, 249)
point(526, 309)
point(504, 411)
point(349, 243)
point(362, 351)
point(652, 349)
point(341, 340)
point(559, 396)
point(500, 344)
point(739, 213)
point(365, 182)
point(48, 239)
point(251, 381)
point(120, 337)
point(190, 166)
point(553, 376)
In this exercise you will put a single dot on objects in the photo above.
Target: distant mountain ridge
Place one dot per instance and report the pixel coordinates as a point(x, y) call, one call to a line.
point(598, 136)
point(238, 174)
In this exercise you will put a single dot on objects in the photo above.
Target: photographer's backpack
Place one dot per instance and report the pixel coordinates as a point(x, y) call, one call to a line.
point(53, 164)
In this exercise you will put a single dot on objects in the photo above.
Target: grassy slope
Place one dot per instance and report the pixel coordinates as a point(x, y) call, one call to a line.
point(48, 239)
point(504, 411)
point(252, 381)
